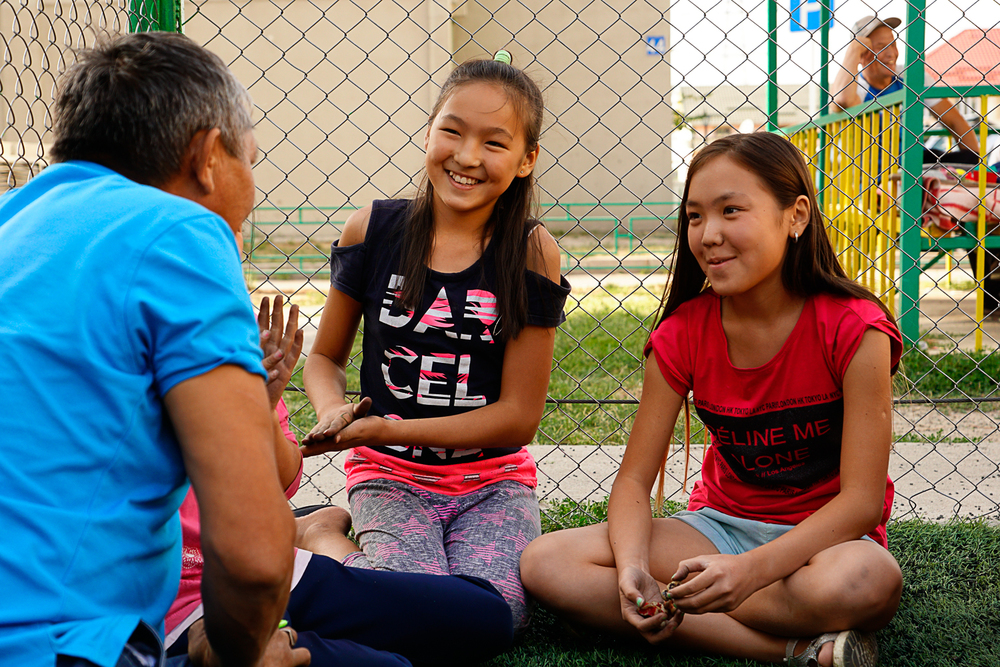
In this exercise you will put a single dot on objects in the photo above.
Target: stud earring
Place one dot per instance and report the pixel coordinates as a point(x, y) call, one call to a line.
point(796, 237)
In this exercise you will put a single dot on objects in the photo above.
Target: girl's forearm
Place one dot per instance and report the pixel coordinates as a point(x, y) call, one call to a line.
point(286, 453)
point(630, 524)
point(325, 382)
point(498, 424)
point(843, 519)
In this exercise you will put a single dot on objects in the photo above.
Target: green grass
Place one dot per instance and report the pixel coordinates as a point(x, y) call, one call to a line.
point(953, 374)
point(948, 615)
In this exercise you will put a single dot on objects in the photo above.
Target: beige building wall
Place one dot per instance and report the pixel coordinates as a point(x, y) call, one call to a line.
point(37, 46)
point(344, 89)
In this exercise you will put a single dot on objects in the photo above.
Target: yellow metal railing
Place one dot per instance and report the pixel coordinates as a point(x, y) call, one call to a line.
point(854, 158)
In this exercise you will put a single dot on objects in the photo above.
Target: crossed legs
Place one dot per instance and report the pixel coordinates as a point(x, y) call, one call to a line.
point(855, 585)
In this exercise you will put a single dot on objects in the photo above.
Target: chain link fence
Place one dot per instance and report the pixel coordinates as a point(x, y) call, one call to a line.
point(342, 89)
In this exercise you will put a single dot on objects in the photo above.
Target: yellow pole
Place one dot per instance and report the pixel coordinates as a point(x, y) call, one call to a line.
point(881, 236)
point(981, 225)
point(894, 138)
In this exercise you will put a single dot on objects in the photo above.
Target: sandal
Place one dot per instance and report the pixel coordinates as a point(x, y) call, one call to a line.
point(850, 649)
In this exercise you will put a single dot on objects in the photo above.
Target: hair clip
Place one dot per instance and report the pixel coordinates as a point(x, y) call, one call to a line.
point(502, 56)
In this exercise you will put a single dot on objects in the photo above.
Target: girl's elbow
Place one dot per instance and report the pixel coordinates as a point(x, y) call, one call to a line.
point(868, 514)
point(520, 423)
point(873, 520)
point(522, 434)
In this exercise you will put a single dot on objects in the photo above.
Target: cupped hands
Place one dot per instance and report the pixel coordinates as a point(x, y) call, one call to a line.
point(720, 583)
point(637, 589)
point(340, 428)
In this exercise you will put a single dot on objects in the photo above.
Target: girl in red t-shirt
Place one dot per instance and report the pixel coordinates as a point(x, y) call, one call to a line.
point(781, 554)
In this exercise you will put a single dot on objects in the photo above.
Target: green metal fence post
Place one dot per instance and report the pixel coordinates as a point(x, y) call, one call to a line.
point(824, 55)
point(160, 15)
point(912, 161)
point(824, 95)
point(772, 65)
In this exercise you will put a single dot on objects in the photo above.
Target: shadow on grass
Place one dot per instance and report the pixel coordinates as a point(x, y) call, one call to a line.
point(949, 614)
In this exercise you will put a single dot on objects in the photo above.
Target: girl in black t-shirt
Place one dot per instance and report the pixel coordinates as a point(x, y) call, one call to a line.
point(460, 295)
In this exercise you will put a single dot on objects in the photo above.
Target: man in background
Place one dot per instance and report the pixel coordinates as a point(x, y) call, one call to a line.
point(869, 71)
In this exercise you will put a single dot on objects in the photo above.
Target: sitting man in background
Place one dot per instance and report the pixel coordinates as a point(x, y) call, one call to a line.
point(131, 360)
point(874, 50)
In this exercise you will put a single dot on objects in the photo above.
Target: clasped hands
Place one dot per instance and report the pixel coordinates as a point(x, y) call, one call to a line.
point(705, 584)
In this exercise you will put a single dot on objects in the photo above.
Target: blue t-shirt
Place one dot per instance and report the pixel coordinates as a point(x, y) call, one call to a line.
point(111, 294)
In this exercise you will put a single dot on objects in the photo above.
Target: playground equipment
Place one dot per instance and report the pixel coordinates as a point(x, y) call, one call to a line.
point(868, 164)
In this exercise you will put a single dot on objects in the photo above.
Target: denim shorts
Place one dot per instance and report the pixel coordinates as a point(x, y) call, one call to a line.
point(730, 534)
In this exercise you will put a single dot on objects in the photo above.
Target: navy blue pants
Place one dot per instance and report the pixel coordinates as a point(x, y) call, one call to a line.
point(351, 617)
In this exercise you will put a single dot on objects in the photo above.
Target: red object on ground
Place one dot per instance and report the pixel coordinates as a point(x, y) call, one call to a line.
point(973, 175)
point(970, 58)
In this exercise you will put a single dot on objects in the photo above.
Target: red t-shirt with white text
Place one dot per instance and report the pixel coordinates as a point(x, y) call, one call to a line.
point(776, 429)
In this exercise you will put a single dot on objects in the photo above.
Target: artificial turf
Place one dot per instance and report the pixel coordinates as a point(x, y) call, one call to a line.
point(949, 614)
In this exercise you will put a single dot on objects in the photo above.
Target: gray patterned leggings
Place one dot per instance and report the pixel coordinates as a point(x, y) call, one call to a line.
point(405, 529)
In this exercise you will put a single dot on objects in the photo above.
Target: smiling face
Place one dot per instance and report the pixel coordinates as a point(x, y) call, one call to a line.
point(737, 231)
point(880, 61)
point(475, 149)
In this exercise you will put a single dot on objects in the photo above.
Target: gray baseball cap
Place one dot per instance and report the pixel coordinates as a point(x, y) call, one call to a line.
point(865, 26)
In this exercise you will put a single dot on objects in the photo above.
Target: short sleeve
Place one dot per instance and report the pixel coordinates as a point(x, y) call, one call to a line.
point(282, 411)
point(546, 300)
point(189, 306)
point(347, 269)
point(671, 347)
point(850, 324)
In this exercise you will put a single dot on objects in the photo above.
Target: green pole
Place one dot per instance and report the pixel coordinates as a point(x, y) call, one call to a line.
point(169, 15)
point(824, 93)
point(772, 65)
point(912, 162)
point(824, 55)
point(161, 15)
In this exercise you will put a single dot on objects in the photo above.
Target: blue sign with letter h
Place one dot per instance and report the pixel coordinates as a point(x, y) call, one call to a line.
point(806, 15)
point(656, 45)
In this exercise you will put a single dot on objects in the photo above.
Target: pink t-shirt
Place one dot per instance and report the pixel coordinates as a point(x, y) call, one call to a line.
point(776, 429)
point(189, 593)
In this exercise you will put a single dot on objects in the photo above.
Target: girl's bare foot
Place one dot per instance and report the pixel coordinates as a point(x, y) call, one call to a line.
point(324, 532)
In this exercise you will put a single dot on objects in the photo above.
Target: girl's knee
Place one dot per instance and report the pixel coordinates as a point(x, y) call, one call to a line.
point(537, 560)
point(865, 587)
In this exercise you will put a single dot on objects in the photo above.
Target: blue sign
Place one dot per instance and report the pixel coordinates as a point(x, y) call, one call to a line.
point(656, 45)
point(806, 13)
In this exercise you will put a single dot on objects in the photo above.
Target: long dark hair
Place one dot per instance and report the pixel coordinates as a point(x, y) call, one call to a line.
point(512, 213)
point(811, 265)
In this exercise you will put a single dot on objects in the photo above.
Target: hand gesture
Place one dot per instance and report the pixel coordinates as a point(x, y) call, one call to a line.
point(325, 436)
point(637, 590)
point(281, 651)
point(858, 49)
point(281, 343)
point(722, 584)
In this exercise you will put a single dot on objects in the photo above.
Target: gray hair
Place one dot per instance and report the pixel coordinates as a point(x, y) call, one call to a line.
point(133, 103)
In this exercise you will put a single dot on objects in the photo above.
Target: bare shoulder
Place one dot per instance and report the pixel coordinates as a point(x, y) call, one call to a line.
point(356, 227)
point(543, 253)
